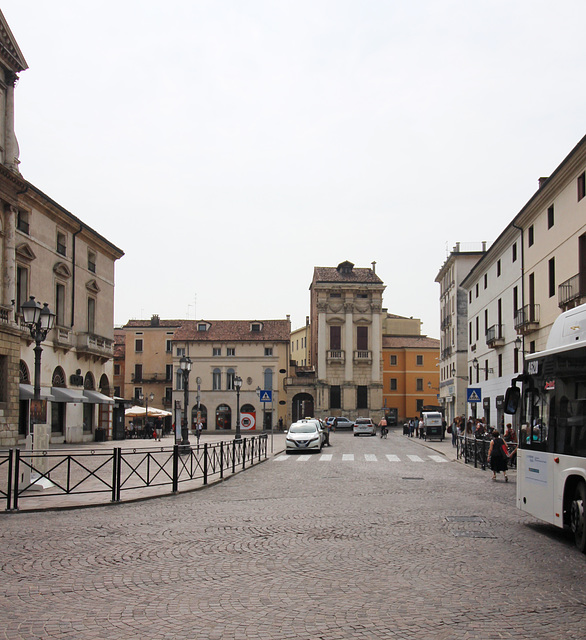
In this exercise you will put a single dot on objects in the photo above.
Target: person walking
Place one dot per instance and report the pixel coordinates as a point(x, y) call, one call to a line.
point(383, 427)
point(497, 457)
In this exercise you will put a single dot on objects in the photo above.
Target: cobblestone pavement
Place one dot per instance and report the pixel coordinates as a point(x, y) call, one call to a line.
point(378, 545)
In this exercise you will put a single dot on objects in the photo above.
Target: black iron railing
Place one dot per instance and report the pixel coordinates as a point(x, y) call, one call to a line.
point(475, 451)
point(117, 472)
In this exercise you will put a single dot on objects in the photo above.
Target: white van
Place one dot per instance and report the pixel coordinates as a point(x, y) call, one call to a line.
point(432, 425)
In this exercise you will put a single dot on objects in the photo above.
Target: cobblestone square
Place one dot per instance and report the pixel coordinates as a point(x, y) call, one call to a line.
point(373, 539)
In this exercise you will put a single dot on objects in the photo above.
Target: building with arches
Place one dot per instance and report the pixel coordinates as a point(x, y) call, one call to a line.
point(50, 254)
point(257, 351)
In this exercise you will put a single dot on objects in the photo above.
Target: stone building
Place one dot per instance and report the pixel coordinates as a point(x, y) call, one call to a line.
point(345, 373)
point(50, 254)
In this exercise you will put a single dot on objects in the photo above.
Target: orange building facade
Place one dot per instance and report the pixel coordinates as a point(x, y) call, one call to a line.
point(410, 376)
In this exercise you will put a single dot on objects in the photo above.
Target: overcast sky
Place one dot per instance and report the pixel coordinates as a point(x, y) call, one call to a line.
point(228, 147)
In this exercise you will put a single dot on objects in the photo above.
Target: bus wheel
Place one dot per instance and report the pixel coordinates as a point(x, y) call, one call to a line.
point(577, 517)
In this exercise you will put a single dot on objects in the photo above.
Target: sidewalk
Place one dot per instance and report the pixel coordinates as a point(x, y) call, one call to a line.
point(140, 452)
point(445, 448)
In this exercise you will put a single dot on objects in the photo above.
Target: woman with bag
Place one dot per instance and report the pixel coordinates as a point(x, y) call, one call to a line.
point(498, 455)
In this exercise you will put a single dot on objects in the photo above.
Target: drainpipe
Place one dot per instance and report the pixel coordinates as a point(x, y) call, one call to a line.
point(73, 275)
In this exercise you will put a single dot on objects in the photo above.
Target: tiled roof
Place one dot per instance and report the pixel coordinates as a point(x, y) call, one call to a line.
point(147, 324)
point(410, 342)
point(234, 331)
point(333, 274)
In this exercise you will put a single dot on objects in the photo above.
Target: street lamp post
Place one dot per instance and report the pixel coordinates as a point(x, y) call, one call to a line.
point(151, 397)
point(237, 386)
point(40, 321)
point(185, 367)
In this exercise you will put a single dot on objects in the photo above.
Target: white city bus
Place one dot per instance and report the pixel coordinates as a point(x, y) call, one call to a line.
point(551, 460)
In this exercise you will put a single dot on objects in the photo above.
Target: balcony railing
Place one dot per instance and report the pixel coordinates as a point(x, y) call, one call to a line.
point(572, 292)
point(149, 377)
point(364, 357)
point(495, 335)
point(446, 322)
point(527, 318)
point(446, 353)
point(336, 355)
point(95, 345)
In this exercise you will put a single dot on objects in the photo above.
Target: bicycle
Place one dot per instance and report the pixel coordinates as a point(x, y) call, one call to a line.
point(383, 432)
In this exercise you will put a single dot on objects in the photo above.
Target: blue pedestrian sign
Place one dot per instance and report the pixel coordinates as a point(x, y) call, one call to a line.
point(473, 394)
point(266, 395)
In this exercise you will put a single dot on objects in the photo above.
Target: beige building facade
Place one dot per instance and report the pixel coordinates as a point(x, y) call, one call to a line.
point(50, 254)
point(257, 351)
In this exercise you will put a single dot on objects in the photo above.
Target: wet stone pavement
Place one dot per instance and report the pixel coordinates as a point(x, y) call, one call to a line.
point(372, 539)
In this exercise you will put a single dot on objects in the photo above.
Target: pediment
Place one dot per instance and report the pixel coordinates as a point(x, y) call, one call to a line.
point(9, 49)
point(62, 270)
point(92, 286)
point(24, 252)
point(336, 320)
point(363, 320)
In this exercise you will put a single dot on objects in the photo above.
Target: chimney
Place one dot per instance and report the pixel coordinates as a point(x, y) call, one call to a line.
point(155, 320)
point(373, 266)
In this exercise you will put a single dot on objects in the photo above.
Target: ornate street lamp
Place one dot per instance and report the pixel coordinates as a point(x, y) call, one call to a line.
point(40, 321)
point(185, 368)
point(237, 386)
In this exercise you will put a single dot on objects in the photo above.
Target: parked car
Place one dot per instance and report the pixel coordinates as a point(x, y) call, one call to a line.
point(305, 435)
point(343, 423)
point(364, 426)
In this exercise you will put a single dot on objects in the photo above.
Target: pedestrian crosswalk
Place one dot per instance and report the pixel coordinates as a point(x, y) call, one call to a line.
point(364, 457)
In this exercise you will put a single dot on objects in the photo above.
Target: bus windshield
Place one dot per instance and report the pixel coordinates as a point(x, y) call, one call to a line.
point(554, 404)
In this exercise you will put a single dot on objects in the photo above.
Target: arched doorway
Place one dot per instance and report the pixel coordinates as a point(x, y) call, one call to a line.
point(302, 406)
point(223, 417)
point(204, 415)
point(24, 411)
point(248, 418)
point(58, 408)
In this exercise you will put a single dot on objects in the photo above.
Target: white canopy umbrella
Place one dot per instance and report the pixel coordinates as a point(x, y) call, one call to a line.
point(139, 412)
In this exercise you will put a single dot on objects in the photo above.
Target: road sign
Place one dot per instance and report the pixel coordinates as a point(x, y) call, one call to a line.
point(266, 395)
point(473, 394)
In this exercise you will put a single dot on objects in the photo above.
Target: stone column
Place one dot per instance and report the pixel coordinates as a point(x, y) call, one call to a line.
point(11, 150)
point(322, 341)
point(376, 343)
point(349, 342)
point(9, 249)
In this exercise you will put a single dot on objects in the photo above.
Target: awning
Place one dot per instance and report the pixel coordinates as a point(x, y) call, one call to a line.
point(68, 395)
point(27, 392)
point(96, 397)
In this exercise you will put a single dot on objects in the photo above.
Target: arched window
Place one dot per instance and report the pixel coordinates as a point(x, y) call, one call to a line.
point(104, 385)
point(58, 379)
point(268, 379)
point(230, 375)
point(89, 382)
point(24, 373)
point(216, 380)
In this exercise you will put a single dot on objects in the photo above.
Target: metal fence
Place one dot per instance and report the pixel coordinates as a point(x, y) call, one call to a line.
point(111, 474)
point(475, 451)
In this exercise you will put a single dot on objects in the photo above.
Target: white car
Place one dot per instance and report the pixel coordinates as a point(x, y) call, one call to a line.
point(364, 426)
point(305, 435)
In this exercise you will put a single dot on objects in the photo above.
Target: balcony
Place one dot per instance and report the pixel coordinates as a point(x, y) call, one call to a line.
point(363, 357)
point(446, 322)
point(572, 292)
point(495, 336)
point(97, 346)
point(336, 355)
point(446, 353)
point(527, 319)
point(62, 338)
point(149, 377)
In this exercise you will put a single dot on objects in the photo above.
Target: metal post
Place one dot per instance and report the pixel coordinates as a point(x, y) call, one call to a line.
point(205, 462)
